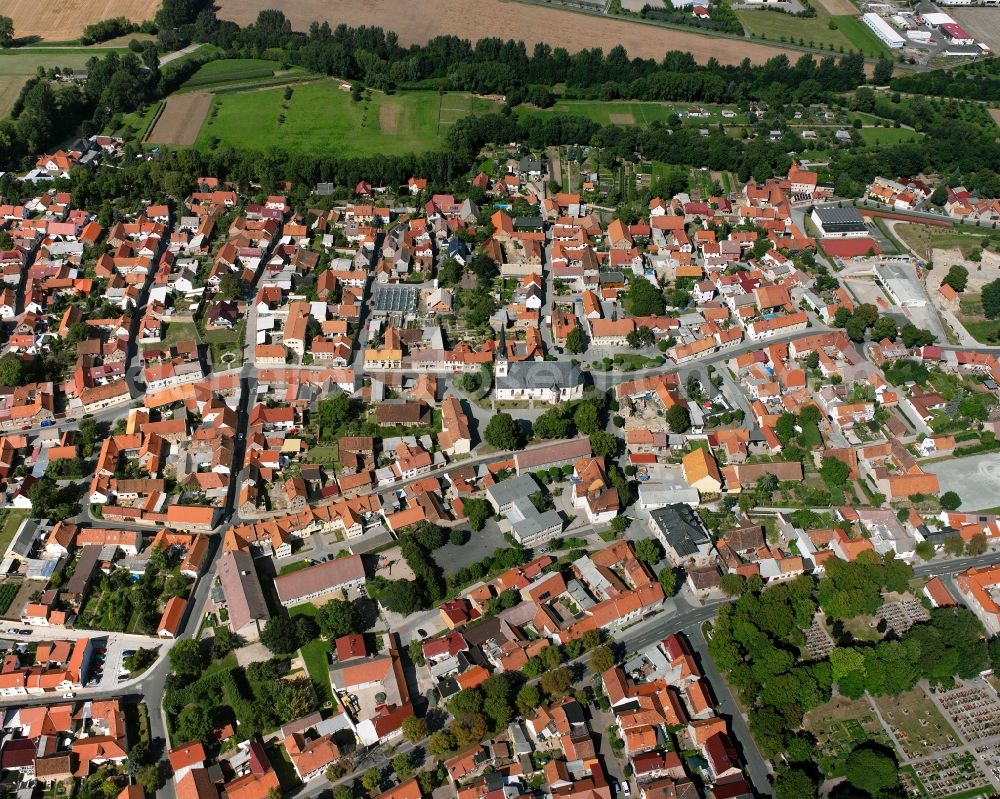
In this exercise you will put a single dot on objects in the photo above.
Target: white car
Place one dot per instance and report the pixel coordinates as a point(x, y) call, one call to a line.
point(626, 790)
point(70, 695)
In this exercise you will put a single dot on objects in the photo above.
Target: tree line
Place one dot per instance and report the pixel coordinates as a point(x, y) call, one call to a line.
point(374, 57)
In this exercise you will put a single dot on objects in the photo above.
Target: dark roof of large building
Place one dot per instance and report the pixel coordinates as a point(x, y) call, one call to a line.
point(833, 215)
point(84, 571)
point(681, 527)
point(540, 374)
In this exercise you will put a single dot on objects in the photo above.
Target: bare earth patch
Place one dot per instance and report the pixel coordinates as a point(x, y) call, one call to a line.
point(61, 20)
point(481, 19)
point(388, 117)
point(995, 113)
point(181, 119)
point(622, 119)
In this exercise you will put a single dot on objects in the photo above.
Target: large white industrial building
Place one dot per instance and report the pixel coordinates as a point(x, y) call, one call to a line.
point(883, 30)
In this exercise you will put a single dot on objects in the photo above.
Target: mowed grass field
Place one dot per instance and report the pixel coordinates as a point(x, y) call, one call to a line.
point(886, 136)
point(627, 112)
point(10, 88)
point(850, 34)
point(321, 117)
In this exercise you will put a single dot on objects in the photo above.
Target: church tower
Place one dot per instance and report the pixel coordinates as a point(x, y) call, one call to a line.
point(501, 365)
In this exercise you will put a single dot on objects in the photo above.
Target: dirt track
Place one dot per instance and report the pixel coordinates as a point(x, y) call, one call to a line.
point(61, 20)
point(181, 119)
point(480, 19)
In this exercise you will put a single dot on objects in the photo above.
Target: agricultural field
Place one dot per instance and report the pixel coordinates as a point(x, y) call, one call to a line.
point(321, 117)
point(849, 34)
point(181, 119)
point(60, 21)
point(233, 70)
point(481, 19)
point(983, 23)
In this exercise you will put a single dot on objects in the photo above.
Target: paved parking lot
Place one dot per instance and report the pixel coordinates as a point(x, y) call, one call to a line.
point(975, 479)
point(451, 558)
point(114, 647)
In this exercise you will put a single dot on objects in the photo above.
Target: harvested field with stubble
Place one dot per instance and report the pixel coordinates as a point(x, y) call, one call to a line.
point(983, 23)
point(481, 19)
point(64, 20)
point(181, 119)
point(836, 7)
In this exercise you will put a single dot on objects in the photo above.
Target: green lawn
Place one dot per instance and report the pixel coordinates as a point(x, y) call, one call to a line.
point(180, 331)
point(321, 117)
point(985, 331)
point(288, 568)
point(778, 26)
point(324, 454)
point(861, 36)
point(849, 33)
point(26, 62)
point(222, 341)
point(316, 655)
point(12, 519)
point(10, 90)
point(889, 135)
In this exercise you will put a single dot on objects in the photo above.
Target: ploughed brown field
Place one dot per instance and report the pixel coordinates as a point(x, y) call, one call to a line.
point(181, 119)
point(62, 20)
point(416, 23)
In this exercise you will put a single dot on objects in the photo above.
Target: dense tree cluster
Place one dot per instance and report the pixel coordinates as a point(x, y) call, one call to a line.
point(586, 417)
point(259, 697)
point(982, 84)
point(757, 641)
point(949, 645)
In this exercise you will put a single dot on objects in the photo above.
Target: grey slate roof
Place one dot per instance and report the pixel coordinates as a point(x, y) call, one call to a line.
point(540, 374)
point(681, 527)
